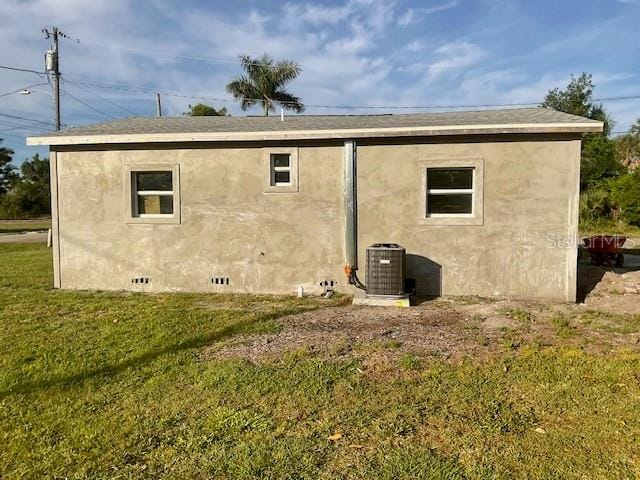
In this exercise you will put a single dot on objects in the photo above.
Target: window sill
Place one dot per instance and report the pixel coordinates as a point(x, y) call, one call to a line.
point(459, 220)
point(281, 189)
point(160, 220)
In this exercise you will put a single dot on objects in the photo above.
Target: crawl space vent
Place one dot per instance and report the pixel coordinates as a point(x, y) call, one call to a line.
point(141, 280)
point(220, 280)
point(328, 285)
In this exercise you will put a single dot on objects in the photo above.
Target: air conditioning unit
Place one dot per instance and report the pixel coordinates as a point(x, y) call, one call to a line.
point(386, 266)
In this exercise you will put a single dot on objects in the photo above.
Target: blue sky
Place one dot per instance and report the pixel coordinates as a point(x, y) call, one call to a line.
point(353, 52)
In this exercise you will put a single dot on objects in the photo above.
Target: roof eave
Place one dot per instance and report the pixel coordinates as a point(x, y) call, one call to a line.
point(586, 127)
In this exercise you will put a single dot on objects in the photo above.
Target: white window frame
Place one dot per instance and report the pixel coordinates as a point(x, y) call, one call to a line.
point(132, 193)
point(449, 191)
point(476, 217)
point(270, 185)
point(274, 169)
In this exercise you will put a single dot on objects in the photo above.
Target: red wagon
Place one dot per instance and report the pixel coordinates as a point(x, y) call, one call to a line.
point(605, 249)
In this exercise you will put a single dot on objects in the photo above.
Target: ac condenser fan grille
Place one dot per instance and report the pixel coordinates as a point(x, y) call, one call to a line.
point(386, 265)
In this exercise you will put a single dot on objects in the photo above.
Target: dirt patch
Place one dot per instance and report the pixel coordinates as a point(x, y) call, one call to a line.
point(447, 328)
point(607, 317)
point(614, 290)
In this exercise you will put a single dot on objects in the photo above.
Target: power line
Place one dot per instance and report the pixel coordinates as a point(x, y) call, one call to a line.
point(100, 97)
point(17, 69)
point(164, 54)
point(19, 127)
point(379, 107)
point(142, 90)
point(622, 132)
point(87, 105)
point(26, 131)
point(226, 100)
point(4, 134)
point(17, 117)
point(21, 89)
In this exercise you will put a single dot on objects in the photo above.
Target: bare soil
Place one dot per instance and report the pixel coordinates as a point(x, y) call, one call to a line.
point(456, 327)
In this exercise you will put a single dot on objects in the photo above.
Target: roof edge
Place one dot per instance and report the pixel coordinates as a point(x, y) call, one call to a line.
point(582, 127)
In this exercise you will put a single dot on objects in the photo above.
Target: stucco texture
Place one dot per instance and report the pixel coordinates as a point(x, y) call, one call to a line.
point(274, 242)
point(263, 242)
point(529, 204)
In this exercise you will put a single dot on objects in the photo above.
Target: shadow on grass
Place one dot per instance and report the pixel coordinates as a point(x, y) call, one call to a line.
point(110, 370)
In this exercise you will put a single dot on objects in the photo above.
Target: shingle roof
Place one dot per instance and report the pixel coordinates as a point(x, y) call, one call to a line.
point(186, 128)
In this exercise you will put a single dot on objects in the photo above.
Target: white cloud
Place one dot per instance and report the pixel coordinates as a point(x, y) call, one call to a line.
point(313, 14)
point(454, 56)
point(412, 15)
point(354, 52)
point(439, 8)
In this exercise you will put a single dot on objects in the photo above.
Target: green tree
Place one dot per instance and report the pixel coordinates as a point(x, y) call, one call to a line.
point(598, 152)
point(635, 128)
point(264, 82)
point(598, 160)
point(577, 99)
point(7, 171)
point(32, 195)
point(204, 110)
point(595, 204)
point(625, 195)
point(627, 149)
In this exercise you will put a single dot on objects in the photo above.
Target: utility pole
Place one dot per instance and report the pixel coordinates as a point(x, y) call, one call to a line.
point(52, 66)
point(158, 105)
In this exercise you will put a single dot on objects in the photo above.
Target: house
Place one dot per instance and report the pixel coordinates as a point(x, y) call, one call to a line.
point(485, 202)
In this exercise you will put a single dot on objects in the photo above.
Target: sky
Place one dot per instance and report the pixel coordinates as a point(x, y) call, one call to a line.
point(352, 52)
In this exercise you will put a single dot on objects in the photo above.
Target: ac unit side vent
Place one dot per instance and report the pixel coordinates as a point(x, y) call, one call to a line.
point(220, 280)
point(141, 280)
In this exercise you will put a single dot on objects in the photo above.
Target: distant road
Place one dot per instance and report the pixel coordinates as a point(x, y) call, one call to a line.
point(28, 237)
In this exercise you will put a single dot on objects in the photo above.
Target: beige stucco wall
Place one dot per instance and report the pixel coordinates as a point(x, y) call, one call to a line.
point(529, 201)
point(273, 242)
point(264, 242)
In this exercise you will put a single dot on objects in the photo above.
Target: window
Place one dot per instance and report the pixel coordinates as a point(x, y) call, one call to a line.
point(152, 191)
point(280, 169)
point(153, 194)
point(450, 191)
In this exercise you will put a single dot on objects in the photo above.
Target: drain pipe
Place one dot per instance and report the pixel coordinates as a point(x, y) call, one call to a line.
point(351, 213)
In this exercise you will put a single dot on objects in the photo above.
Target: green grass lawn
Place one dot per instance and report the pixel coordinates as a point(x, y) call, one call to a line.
point(17, 226)
point(114, 385)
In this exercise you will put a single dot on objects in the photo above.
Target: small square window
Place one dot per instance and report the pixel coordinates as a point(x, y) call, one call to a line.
point(152, 194)
point(450, 192)
point(280, 168)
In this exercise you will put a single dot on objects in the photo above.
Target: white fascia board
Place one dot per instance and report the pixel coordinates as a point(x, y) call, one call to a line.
point(590, 127)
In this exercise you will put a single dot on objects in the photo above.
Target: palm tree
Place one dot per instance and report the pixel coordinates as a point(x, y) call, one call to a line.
point(264, 83)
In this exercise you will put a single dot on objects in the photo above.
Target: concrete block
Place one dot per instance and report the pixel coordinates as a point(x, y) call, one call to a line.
point(381, 301)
